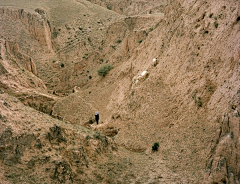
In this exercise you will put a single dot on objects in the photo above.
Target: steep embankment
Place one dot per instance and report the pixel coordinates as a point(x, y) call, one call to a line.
point(37, 148)
point(182, 100)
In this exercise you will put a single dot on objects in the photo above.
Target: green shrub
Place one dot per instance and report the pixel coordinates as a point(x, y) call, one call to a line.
point(155, 146)
point(199, 102)
point(150, 29)
point(216, 24)
point(140, 41)
point(62, 65)
point(103, 71)
point(119, 41)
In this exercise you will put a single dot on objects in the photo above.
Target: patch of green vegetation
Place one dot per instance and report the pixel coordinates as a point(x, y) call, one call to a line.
point(216, 24)
point(155, 146)
point(198, 100)
point(62, 65)
point(197, 26)
point(104, 70)
point(119, 41)
point(150, 29)
point(210, 89)
point(85, 56)
point(113, 46)
point(55, 34)
point(140, 41)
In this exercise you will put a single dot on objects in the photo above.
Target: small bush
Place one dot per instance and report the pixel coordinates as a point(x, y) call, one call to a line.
point(216, 24)
point(62, 65)
point(140, 41)
point(199, 102)
point(155, 146)
point(119, 41)
point(113, 46)
point(150, 29)
point(210, 16)
point(103, 71)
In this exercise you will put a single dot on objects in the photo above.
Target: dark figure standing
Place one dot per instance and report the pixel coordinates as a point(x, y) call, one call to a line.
point(96, 117)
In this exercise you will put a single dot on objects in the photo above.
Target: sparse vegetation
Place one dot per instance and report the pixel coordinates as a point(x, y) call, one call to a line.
point(54, 61)
point(85, 56)
point(216, 24)
point(54, 34)
point(210, 89)
point(198, 100)
point(197, 26)
point(140, 41)
point(62, 65)
point(104, 70)
point(119, 41)
point(155, 146)
point(113, 46)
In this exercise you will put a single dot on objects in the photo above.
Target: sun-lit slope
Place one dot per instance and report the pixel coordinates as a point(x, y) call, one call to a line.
point(182, 100)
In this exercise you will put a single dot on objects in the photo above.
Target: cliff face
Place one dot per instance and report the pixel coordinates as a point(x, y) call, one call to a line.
point(37, 24)
point(13, 53)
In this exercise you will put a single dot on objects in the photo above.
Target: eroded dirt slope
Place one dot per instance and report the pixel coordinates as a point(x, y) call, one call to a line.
point(187, 99)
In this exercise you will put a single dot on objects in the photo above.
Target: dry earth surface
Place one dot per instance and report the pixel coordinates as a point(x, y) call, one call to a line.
point(175, 81)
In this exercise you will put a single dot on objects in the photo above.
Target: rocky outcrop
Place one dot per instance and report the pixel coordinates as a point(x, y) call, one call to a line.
point(223, 165)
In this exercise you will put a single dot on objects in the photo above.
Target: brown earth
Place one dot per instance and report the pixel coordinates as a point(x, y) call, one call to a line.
point(188, 100)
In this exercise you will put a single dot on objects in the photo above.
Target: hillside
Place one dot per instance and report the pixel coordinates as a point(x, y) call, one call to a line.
point(175, 81)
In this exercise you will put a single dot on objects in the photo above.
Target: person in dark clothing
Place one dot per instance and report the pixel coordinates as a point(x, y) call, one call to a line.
point(96, 117)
